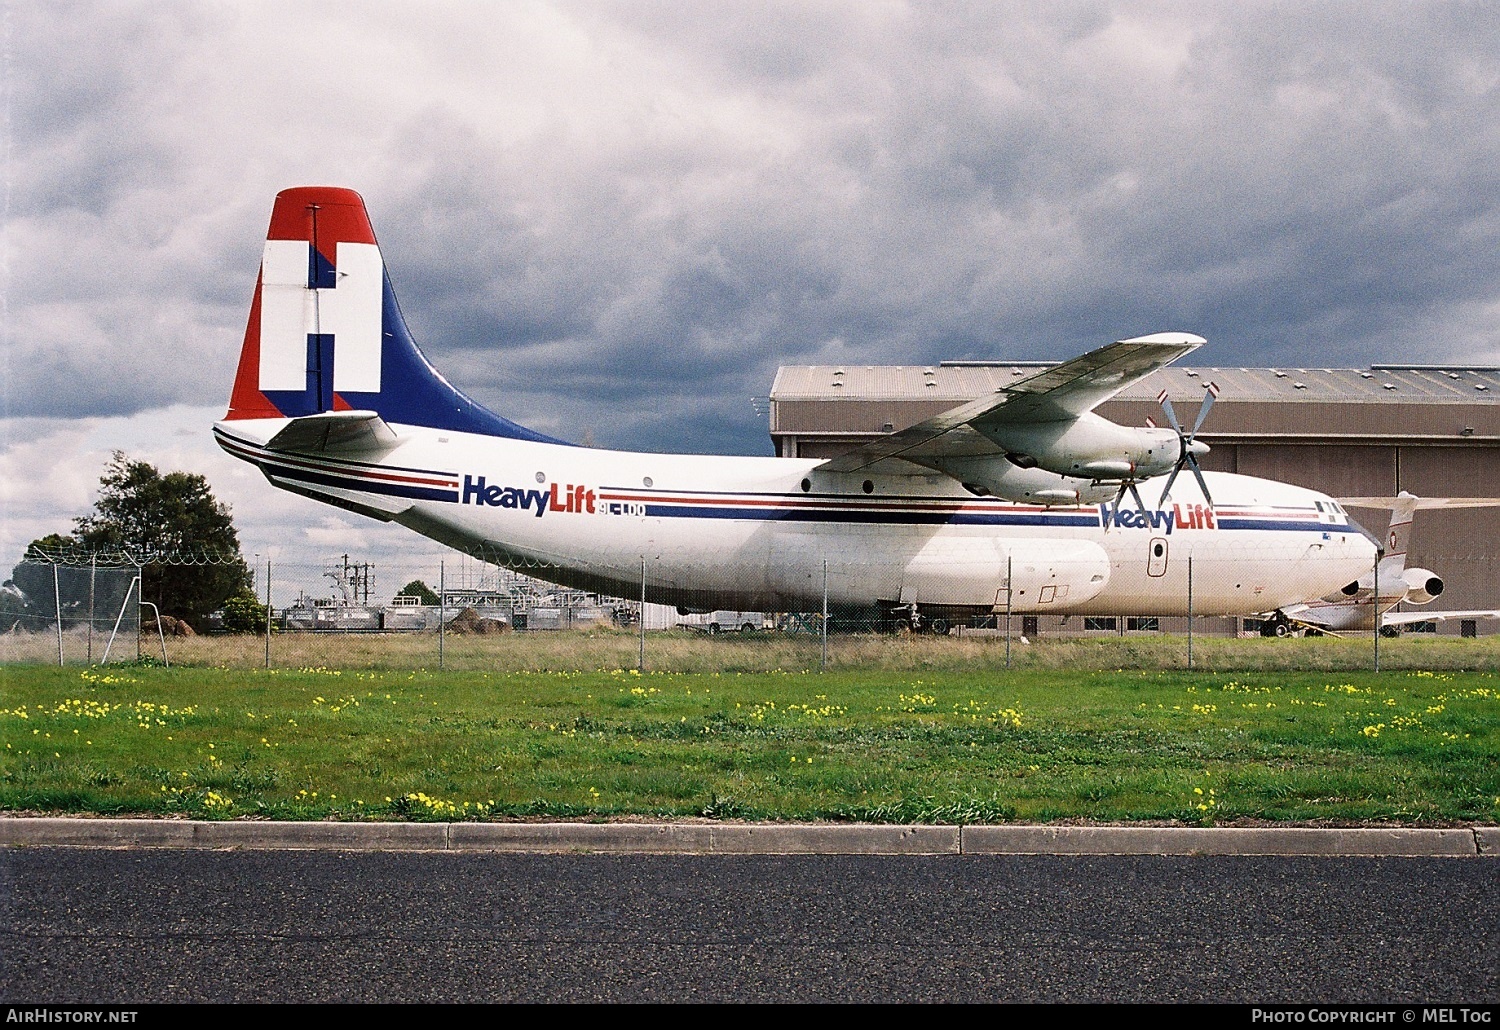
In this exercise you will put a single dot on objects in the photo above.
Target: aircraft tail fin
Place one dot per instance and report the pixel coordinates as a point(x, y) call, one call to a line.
point(1403, 508)
point(1398, 535)
point(325, 333)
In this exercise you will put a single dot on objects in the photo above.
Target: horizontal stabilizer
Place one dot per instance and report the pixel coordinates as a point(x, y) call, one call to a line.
point(1419, 503)
point(341, 431)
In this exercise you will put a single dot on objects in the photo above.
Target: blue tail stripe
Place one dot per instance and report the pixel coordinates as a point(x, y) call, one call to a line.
point(321, 275)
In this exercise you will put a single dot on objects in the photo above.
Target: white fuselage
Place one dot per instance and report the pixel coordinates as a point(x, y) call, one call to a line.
point(772, 533)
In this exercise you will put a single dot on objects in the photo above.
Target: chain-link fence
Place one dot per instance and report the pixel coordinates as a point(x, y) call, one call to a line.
point(70, 614)
point(1056, 606)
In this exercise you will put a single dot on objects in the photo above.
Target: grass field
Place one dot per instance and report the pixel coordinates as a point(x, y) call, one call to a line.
point(686, 651)
point(934, 737)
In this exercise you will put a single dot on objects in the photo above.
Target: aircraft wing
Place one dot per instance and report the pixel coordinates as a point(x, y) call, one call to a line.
point(1408, 618)
point(1311, 618)
point(1306, 615)
point(341, 431)
point(1052, 394)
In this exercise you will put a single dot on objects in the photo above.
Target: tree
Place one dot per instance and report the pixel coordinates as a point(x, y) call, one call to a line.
point(416, 588)
point(33, 577)
point(244, 613)
point(173, 527)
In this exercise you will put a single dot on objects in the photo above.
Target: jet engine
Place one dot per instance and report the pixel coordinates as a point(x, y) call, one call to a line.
point(1422, 585)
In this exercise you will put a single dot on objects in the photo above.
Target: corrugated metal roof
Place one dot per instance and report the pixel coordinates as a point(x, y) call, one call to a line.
point(961, 382)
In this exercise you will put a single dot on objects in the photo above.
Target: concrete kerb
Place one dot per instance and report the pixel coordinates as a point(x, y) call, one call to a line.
point(1217, 840)
point(707, 838)
point(749, 838)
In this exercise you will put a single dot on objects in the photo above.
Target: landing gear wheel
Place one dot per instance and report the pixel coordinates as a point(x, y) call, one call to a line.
point(1277, 626)
point(939, 627)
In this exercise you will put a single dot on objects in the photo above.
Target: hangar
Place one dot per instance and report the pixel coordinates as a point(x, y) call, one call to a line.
point(1431, 429)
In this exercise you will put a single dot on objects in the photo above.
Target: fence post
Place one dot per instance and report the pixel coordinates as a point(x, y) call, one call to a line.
point(268, 613)
point(140, 592)
point(641, 657)
point(1008, 560)
point(1375, 603)
point(57, 610)
point(124, 603)
point(823, 661)
point(1190, 611)
point(93, 574)
point(161, 633)
point(442, 609)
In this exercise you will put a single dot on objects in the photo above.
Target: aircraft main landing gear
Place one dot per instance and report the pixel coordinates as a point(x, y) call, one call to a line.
point(1276, 626)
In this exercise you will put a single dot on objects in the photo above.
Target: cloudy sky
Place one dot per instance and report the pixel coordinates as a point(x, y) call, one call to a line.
point(612, 221)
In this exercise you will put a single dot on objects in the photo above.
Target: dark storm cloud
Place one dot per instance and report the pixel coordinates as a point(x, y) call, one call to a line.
point(616, 221)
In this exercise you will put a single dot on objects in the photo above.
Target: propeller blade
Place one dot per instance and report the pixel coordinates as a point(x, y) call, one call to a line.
point(1119, 496)
point(1166, 491)
point(1166, 405)
point(1139, 504)
point(1209, 397)
point(1202, 484)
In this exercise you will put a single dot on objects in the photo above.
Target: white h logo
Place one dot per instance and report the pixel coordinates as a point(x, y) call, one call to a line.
point(290, 311)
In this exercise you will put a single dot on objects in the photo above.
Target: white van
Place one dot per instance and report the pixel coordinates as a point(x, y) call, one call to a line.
point(730, 622)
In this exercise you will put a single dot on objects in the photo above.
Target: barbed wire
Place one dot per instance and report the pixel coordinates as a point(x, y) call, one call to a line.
point(120, 557)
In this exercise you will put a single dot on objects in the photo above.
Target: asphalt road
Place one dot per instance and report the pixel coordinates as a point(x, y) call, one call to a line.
point(156, 925)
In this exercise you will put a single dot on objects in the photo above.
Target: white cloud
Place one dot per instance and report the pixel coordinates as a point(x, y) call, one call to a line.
point(333, 533)
point(618, 219)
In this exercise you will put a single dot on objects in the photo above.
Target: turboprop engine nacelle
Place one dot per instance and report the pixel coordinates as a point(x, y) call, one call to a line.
point(995, 475)
point(1091, 447)
point(1422, 585)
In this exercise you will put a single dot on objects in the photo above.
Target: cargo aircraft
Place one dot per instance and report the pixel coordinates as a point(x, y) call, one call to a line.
point(1023, 500)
